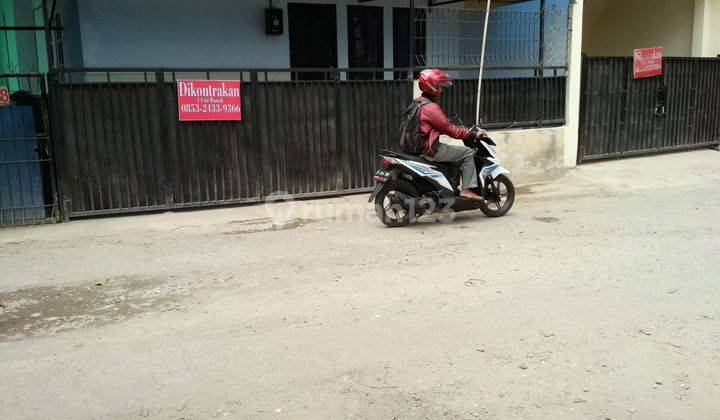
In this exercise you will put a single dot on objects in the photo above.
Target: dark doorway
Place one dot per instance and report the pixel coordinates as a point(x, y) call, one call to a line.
point(365, 41)
point(401, 39)
point(313, 39)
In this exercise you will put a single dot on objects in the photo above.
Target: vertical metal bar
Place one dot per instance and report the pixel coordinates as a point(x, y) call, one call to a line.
point(168, 180)
point(256, 140)
point(241, 143)
point(122, 139)
point(327, 114)
point(317, 158)
point(293, 144)
point(676, 105)
point(106, 157)
point(616, 107)
point(134, 128)
point(354, 133)
point(611, 109)
point(702, 130)
point(96, 187)
point(583, 129)
point(279, 107)
point(139, 145)
point(71, 168)
point(411, 47)
point(693, 109)
point(541, 101)
point(56, 132)
point(271, 130)
point(541, 47)
point(714, 110)
point(339, 134)
point(20, 153)
point(482, 63)
point(48, 37)
point(52, 130)
point(629, 108)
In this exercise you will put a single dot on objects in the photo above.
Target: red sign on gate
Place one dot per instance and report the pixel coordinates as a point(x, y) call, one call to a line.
point(209, 100)
point(647, 62)
point(4, 96)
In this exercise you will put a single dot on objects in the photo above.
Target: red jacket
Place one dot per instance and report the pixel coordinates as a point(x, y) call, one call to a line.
point(434, 122)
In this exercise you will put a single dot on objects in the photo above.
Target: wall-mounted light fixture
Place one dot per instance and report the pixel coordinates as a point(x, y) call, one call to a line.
point(273, 20)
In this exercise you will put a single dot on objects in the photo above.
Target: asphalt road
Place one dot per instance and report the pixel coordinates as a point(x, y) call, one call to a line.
point(598, 296)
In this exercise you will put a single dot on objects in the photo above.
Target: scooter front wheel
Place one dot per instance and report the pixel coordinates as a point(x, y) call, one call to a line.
point(392, 210)
point(499, 196)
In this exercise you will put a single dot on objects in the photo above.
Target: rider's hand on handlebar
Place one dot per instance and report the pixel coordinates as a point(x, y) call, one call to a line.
point(480, 133)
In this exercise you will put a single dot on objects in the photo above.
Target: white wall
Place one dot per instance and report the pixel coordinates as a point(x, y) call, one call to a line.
point(706, 34)
point(573, 84)
point(713, 47)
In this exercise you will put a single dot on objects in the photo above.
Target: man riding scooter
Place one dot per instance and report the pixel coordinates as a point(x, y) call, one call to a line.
point(434, 122)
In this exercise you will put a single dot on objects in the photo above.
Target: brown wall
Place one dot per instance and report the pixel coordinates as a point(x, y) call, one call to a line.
point(616, 27)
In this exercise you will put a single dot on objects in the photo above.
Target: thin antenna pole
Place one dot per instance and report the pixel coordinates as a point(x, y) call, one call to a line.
point(482, 63)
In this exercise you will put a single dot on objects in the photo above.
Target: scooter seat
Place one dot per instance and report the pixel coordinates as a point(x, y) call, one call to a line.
point(420, 159)
point(414, 158)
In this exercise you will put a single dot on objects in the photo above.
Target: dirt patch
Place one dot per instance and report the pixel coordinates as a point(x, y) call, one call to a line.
point(259, 221)
point(47, 310)
point(270, 226)
point(546, 219)
point(185, 227)
point(525, 189)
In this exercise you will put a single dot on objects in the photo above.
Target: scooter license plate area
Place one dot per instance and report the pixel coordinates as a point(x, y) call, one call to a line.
point(381, 176)
point(378, 186)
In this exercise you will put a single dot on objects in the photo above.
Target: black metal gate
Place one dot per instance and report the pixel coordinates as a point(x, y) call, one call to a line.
point(621, 116)
point(122, 149)
point(27, 175)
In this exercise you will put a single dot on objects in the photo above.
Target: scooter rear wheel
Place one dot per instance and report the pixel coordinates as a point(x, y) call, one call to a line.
point(499, 197)
point(391, 210)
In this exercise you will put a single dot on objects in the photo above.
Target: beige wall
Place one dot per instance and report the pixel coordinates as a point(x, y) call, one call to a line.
point(617, 27)
point(532, 155)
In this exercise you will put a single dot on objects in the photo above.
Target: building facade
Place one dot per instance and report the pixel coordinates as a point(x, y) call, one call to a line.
point(119, 146)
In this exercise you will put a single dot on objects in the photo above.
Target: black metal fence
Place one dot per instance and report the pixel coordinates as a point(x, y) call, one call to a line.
point(121, 147)
point(27, 175)
point(509, 103)
point(621, 115)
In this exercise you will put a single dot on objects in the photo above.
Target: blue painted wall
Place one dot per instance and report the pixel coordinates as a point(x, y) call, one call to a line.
point(21, 186)
point(218, 33)
point(138, 33)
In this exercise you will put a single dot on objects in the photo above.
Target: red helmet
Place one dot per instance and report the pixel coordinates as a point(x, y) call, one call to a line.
point(430, 81)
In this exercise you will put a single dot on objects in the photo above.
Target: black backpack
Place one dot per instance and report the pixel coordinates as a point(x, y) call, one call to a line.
point(410, 138)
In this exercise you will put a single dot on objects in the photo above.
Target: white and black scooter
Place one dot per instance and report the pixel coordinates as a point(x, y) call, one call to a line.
point(409, 186)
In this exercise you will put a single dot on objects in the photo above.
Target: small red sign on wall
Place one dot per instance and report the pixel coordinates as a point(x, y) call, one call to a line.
point(209, 100)
point(4, 96)
point(647, 62)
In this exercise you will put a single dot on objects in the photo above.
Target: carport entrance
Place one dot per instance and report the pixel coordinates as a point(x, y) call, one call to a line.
point(622, 116)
